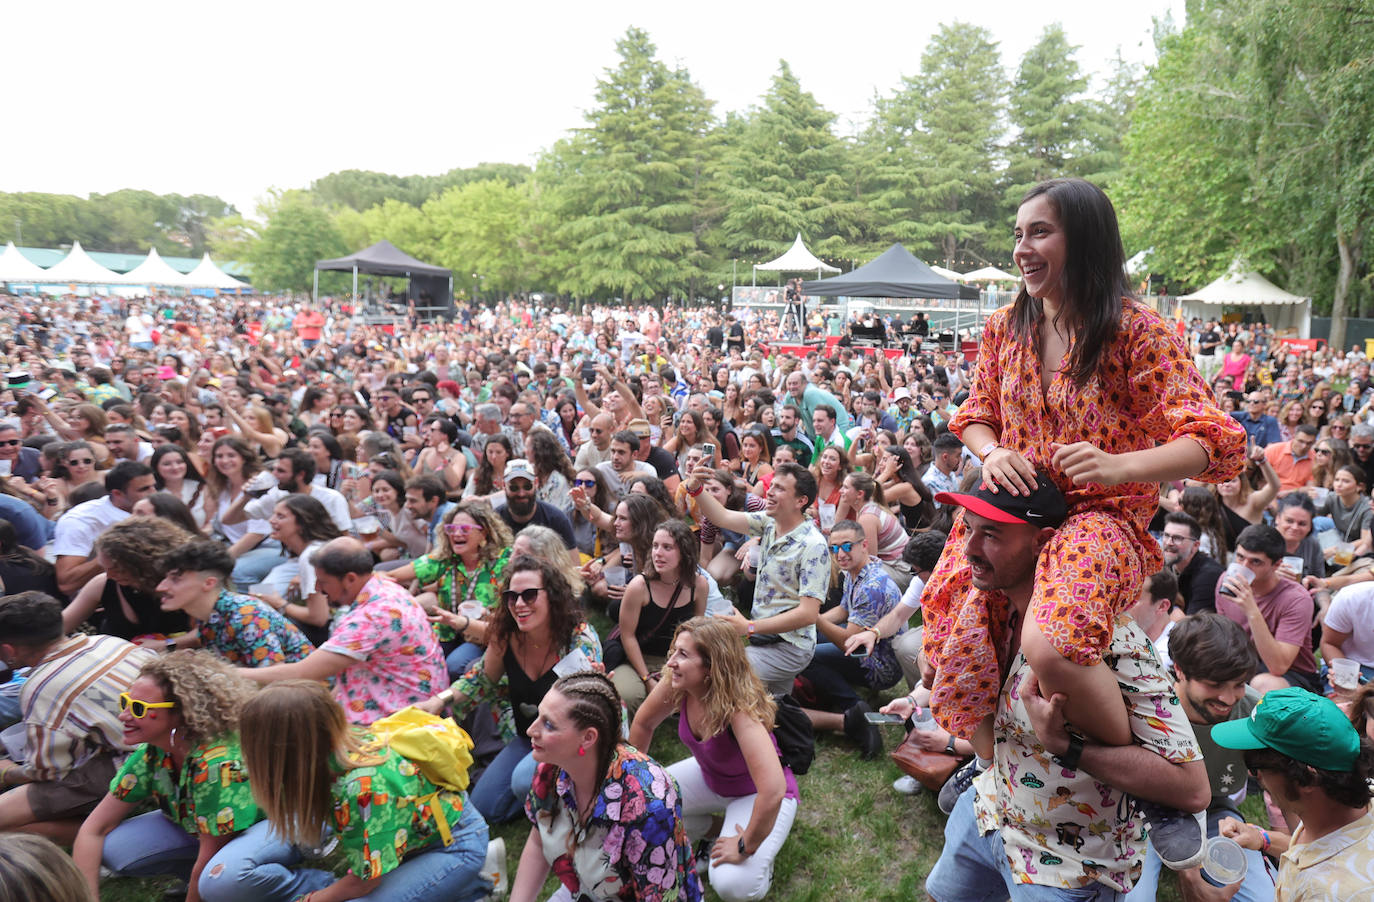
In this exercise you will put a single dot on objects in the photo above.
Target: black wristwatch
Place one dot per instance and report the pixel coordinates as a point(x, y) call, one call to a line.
point(741, 846)
point(1069, 760)
point(949, 746)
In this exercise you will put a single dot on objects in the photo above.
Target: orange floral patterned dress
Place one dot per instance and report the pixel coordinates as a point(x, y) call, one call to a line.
point(1147, 392)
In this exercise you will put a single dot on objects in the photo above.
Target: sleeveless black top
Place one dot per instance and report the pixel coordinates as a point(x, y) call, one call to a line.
point(525, 693)
point(148, 613)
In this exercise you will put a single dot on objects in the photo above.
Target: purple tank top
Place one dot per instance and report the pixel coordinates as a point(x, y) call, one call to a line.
point(723, 767)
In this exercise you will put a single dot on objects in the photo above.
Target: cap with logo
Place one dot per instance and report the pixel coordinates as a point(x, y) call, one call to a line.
point(1306, 727)
point(1045, 506)
point(519, 467)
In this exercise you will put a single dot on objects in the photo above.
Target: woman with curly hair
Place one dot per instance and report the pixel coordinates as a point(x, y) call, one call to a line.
point(725, 718)
point(536, 626)
point(616, 791)
point(401, 836)
point(181, 716)
point(468, 563)
point(126, 592)
point(553, 467)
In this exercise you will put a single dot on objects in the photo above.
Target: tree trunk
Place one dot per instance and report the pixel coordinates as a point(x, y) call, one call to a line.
point(1348, 247)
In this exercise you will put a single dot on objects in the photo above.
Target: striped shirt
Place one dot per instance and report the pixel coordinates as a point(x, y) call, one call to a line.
point(71, 703)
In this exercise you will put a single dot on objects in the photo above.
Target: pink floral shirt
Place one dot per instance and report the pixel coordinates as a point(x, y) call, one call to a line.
point(399, 659)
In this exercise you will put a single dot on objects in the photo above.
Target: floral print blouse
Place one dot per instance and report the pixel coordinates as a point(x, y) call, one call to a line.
point(633, 845)
point(456, 585)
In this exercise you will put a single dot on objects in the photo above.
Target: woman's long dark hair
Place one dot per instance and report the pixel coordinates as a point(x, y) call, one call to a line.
point(1094, 276)
point(12, 552)
point(313, 521)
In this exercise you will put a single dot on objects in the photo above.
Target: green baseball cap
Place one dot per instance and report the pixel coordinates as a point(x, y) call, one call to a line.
point(1300, 724)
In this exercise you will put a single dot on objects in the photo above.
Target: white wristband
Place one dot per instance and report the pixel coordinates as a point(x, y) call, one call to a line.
point(987, 449)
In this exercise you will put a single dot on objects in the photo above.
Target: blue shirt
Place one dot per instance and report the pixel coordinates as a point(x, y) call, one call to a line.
point(867, 599)
point(33, 531)
point(1263, 431)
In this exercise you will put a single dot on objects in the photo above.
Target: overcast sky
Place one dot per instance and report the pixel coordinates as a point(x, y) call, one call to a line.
point(231, 99)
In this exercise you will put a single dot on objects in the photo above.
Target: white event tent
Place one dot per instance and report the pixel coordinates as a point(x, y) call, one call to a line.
point(797, 259)
point(947, 273)
point(989, 274)
point(208, 275)
point(154, 271)
point(15, 267)
point(78, 266)
point(1241, 288)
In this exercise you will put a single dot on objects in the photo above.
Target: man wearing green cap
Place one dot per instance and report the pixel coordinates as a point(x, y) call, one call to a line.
point(1305, 751)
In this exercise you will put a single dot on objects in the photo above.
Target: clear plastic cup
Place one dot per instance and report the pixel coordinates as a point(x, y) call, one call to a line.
point(1240, 571)
point(1292, 562)
point(1345, 673)
point(615, 576)
point(472, 610)
point(1224, 862)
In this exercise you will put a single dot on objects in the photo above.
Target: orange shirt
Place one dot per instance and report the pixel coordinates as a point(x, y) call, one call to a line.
point(1293, 474)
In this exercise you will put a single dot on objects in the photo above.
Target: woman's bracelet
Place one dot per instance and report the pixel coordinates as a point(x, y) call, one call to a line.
point(445, 697)
point(1263, 832)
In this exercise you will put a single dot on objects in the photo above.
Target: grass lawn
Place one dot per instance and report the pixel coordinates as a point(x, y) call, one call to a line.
point(854, 837)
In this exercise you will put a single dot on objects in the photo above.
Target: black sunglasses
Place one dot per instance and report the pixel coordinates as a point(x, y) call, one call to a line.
point(510, 596)
point(584, 483)
point(9, 443)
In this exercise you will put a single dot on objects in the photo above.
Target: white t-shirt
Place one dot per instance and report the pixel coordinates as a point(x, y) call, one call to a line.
point(307, 572)
point(1351, 611)
point(140, 327)
point(911, 598)
point(235, 531)
point(334, 503)
point(79, 527)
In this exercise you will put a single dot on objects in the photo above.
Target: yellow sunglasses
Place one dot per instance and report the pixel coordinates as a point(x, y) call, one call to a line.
point(138, 707)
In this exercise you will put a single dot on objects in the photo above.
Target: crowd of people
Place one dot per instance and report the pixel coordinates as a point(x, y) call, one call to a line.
point(234, 537)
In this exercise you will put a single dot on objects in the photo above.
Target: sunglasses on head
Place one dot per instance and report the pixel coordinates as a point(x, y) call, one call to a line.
point(846, 547)
point(510, 596)
point(137, 707)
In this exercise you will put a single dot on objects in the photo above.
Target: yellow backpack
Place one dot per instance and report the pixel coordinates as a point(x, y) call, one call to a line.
point(438, 746)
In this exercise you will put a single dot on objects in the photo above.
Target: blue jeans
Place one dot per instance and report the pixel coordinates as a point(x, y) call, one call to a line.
point(973, 868)
point(150, 844)
point(497, 794)
point(260, 872)
point(834, 675)
point(462, 656)
point(253, 565)
point(10, 714)
point(1257, 885)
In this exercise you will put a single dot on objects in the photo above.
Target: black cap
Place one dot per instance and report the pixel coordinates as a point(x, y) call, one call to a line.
point(1043, 507)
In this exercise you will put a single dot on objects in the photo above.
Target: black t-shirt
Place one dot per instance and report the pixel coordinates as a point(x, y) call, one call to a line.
point(663, 462)
point(737, 337)
point(1198, 584)
point(1210, 337)
point(544, 515)
point(715, 337)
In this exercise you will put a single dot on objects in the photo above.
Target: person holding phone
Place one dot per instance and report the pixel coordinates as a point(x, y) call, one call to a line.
point(869, 594)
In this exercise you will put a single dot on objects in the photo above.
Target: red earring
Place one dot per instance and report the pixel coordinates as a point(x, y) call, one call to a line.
point(581, 751)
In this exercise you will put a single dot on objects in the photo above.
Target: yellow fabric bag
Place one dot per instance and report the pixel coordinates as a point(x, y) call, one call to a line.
point(438, 746)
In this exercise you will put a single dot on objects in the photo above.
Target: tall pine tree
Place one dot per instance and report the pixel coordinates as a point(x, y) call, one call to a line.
point(1049, 113)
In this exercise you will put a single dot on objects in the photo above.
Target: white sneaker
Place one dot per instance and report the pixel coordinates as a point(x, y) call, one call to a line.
point(494, 868)
point(907, 785)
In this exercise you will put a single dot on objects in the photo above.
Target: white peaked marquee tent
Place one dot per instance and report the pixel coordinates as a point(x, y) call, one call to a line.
point(208, 275)
point(797, 259)
point(154, 271)
point(947, 273)
point(78, 266)
point(1241, 288)
point(989, 274)
point(15, 267)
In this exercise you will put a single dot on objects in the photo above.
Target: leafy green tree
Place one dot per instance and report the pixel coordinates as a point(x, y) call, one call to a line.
point(1252, 142)
point(482, 228)
point(1047, 108)
point(784, 171)
point(298, 233)
point(622, 188)
point(934, 147)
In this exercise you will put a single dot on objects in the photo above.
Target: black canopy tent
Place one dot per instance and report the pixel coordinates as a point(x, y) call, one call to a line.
point(430, 287)
point(893, 274)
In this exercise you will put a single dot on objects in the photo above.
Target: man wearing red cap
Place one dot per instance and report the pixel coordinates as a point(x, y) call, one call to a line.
point(1047, 812)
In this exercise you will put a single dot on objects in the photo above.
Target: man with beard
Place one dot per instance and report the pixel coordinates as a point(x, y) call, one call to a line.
point(1213, 663)
point(1197, 571)
point(523, 509)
